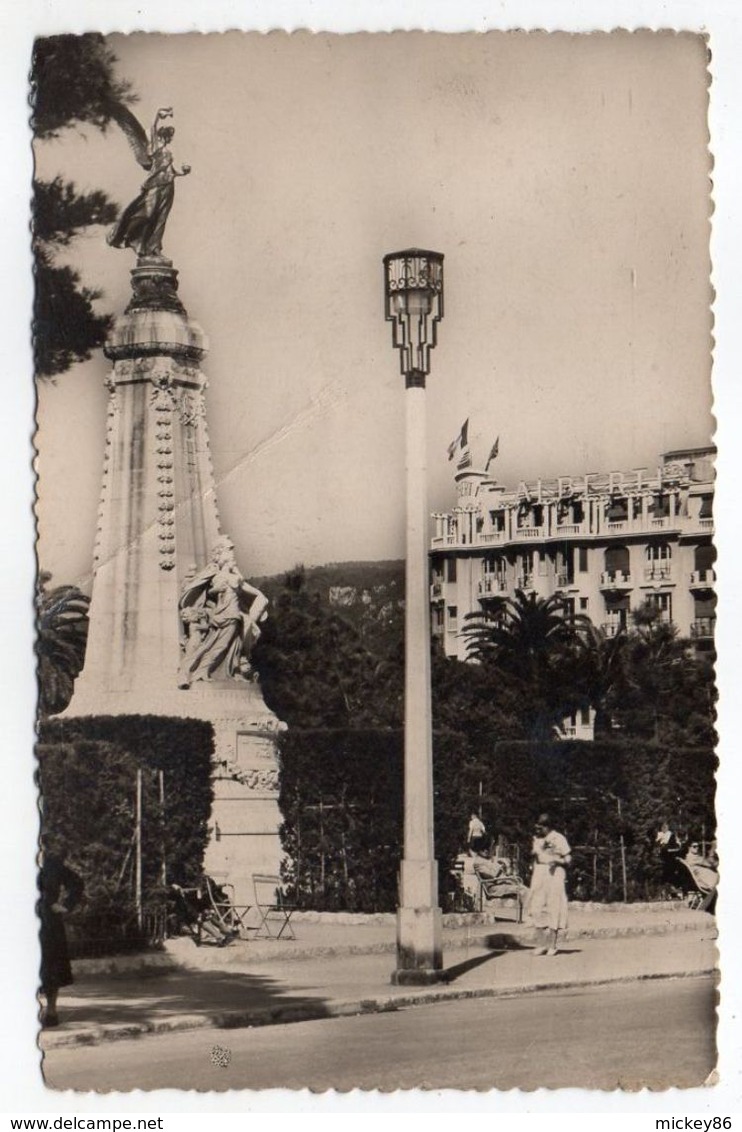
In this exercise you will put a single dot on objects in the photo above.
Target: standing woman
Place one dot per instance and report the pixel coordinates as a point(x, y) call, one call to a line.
point(60, 889)
point(548, 896)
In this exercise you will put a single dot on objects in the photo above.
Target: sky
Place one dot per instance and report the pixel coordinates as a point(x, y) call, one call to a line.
point(565, 179)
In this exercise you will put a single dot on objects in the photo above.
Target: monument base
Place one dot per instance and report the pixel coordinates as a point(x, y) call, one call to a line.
point(245, 817)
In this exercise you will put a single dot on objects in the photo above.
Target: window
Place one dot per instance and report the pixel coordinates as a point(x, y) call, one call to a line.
point(453, 617)
point(663, 604)
point(659, 552)
point(582, 556)
point(585, 716)
point(451, 570)
point(584, 602)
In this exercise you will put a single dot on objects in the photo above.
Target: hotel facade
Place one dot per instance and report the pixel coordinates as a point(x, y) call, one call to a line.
point(605, 543)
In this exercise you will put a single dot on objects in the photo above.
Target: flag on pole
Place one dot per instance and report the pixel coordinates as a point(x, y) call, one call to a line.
point(493, 453)
point(460, 442)
point(465, 461)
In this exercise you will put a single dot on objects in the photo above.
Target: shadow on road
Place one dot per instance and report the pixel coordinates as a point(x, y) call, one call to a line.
point(209, 994)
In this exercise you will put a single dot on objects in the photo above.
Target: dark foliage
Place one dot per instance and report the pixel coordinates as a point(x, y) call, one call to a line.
point(60, 212)
point(341, 799)
point(62, 624)
point(66, 327)
point(528, 643)
point(73, 82)
point(87, 781)
point(315, 670)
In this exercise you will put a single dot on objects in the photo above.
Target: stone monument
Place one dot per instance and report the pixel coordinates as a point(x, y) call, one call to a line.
point(172, 619)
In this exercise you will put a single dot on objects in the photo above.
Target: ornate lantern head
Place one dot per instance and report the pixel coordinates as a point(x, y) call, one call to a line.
point(413, 290)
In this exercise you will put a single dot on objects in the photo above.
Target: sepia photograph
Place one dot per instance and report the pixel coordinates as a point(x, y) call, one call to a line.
point(376, 567)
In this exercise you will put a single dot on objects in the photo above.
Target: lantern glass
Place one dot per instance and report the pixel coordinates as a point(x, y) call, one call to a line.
point(414, 304)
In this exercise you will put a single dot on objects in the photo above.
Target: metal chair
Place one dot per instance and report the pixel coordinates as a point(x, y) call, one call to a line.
point(229, 916)
point(498, 880)
point(272, 908)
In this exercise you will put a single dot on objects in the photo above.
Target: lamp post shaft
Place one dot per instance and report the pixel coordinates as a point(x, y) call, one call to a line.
point(419, 924)
point(413, 287)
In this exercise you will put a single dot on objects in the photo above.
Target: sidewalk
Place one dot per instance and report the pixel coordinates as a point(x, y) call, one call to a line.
point(336, 969)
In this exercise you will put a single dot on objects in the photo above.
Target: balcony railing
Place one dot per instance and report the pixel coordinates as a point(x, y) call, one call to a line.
point(569, 529)
point(525, 581)
point(662, 574)
point(703, 627)
point(703, 579)
point(491, 536)
point(528, 533)
point(491, 585)
point(436, 591)
point(563, 580)
point(615, 580)
point(617, 525)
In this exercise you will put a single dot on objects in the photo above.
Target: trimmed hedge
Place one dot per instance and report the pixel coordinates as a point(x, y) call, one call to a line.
point(87, 770)
point(341, 797)
point(341, 800)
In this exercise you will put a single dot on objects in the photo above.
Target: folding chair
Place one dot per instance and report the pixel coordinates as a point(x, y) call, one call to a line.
point(272, 907)
point(230, 917)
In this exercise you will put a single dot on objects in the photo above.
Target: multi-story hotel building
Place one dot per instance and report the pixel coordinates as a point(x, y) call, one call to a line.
point(606, 543)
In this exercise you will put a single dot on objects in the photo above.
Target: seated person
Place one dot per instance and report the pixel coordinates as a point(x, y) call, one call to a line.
point(199, 915)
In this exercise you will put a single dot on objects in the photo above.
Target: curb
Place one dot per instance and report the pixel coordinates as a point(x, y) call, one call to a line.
point(341, 1008)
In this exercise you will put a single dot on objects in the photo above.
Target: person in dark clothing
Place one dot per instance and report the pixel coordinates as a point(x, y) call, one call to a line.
point(60, 890)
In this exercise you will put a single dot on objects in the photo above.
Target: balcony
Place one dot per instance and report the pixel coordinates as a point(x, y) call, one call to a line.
point(615, 580)
point(436, 591)
point(565, 530)
point(524, 581)
point(530, 533)
point(491, 585)
point(703, 579)
point(703, 628)
point(617, 526)
point(490, 537)
point(564, 580)
point(659, 575)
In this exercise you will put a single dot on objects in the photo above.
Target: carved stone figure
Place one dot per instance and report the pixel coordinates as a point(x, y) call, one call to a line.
point(220, 612)
point(142, 223)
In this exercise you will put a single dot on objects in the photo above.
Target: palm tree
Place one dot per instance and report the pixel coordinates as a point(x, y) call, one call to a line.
point(530, 642)
point(62, 621)
point(655, 664)
point(600, 671)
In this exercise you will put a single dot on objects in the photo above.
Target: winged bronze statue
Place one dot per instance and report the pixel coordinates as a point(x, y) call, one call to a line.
point(142, 223)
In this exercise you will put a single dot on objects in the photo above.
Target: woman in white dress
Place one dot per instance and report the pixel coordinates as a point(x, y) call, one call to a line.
point(547, 904)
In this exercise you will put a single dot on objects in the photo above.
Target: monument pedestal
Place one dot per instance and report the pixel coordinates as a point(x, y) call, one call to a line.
point(158, 529)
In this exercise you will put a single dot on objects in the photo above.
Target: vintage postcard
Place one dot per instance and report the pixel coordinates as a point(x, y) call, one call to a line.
point(377, 587)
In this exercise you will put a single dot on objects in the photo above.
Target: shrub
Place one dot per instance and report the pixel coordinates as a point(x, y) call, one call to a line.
point(87, 773)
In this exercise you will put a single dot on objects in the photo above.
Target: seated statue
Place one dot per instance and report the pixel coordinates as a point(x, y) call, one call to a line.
point(220, 612)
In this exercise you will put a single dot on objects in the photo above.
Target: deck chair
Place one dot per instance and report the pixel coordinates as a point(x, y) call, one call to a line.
point(229, 916)
point(498, 880)
point(272, 908)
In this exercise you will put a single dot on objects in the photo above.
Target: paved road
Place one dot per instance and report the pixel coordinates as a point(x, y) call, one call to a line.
point(604, 1037)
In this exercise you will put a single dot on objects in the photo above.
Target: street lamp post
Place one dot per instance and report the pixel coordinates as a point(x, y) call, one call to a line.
point(414, 305)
